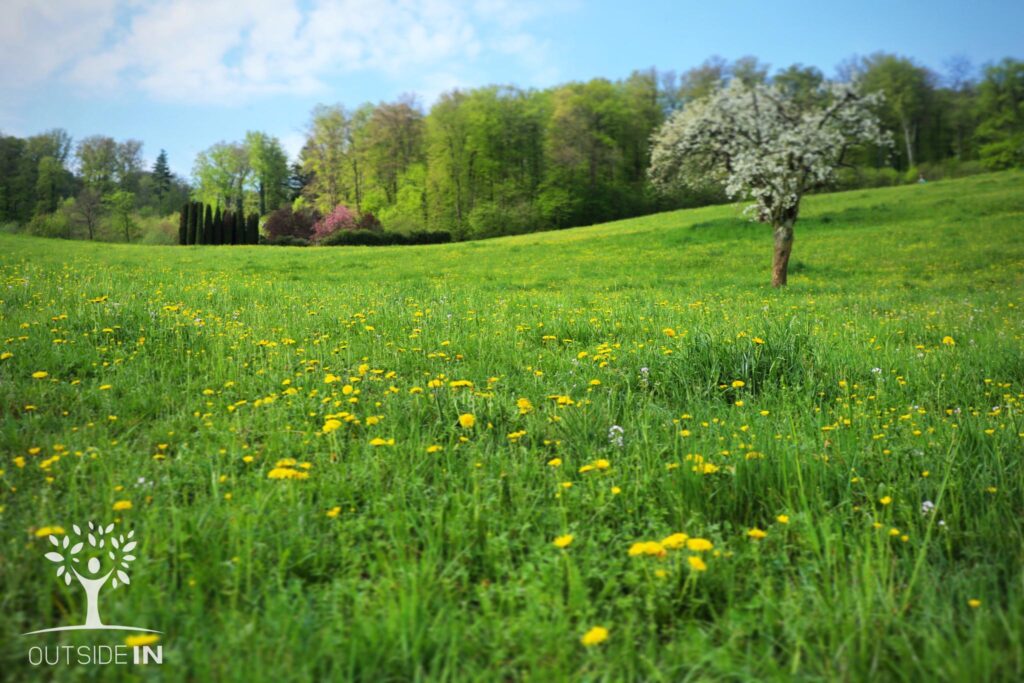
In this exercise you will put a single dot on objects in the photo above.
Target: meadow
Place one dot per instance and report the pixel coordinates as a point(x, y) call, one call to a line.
point(607, 453)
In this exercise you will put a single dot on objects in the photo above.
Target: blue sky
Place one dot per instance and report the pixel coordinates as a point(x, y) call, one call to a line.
point(184, 74)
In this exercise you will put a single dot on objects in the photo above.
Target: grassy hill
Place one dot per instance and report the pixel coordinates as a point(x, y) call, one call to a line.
point(354, 462)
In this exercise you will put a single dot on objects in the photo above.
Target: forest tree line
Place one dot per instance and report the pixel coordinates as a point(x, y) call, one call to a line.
point(502, 159)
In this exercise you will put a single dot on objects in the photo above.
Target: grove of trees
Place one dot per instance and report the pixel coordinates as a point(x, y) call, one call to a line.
point(502, 159)
point(61, 189)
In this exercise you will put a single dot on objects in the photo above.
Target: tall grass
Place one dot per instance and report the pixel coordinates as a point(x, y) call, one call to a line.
point(888, 374)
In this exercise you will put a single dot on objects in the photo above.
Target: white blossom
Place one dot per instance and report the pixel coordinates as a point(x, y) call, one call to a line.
point(761, 144)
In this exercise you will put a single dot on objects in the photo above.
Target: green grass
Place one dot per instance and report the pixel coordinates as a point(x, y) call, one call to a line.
point(440, 566)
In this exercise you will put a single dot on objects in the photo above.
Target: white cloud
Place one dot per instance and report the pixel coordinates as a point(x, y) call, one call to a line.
point(224, 50)
point(38, 38)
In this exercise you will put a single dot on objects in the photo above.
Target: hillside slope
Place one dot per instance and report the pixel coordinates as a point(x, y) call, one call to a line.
point(452, 462)
point(971, 225)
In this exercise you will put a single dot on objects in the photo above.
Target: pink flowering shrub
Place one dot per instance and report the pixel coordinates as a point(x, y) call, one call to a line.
point(341, 218)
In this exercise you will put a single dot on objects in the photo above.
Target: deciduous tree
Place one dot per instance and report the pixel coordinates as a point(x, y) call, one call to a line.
point(765, 146)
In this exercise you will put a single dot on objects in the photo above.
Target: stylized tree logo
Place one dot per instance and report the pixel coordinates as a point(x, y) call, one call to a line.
point(93, 558)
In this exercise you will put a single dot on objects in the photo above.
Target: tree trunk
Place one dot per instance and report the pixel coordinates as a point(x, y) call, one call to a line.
point(909, 133)
point(783, 247)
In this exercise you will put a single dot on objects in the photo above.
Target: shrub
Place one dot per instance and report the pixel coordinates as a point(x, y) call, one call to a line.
point(425, 237)
point(340, 218)
point(365, 238)
point(287, 223)
point(369, 222)
point(372, 238)
point(56, 224)
point(288, 241)
point(158, 230)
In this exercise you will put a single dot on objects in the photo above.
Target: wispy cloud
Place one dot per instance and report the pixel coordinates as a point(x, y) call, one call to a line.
point(224, 50)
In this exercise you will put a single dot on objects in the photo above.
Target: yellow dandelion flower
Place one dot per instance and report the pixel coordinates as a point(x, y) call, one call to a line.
point(885, 500)
point(139, 641)
point(675, 541)
point(696, 564)
point(974, 603)
point(651, 548)
point(738, 384)
point(434, 448)
point(782, 519)
point(467, 420)
point(594, 636)
point(286, 473)
point(756, 534)
point(44, 531)
point(563, 541)
point(334, 512)
point(698, 545)
point(122, 505)
point(41, 374)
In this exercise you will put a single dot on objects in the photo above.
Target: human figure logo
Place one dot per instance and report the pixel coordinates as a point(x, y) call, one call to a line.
point(95, 558)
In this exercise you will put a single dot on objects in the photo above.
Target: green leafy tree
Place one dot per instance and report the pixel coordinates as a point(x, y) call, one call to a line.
point(220, 174)
point(121, 205)
point(1001, 112)
point(335, 156)
point(97, 163)
point(907, 88)
point(53, 183)
point(87, 210)
point(269, 170)
point(801, 84)
point(394, 142)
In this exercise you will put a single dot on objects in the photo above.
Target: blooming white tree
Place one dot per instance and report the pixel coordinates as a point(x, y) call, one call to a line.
point(762, 143)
